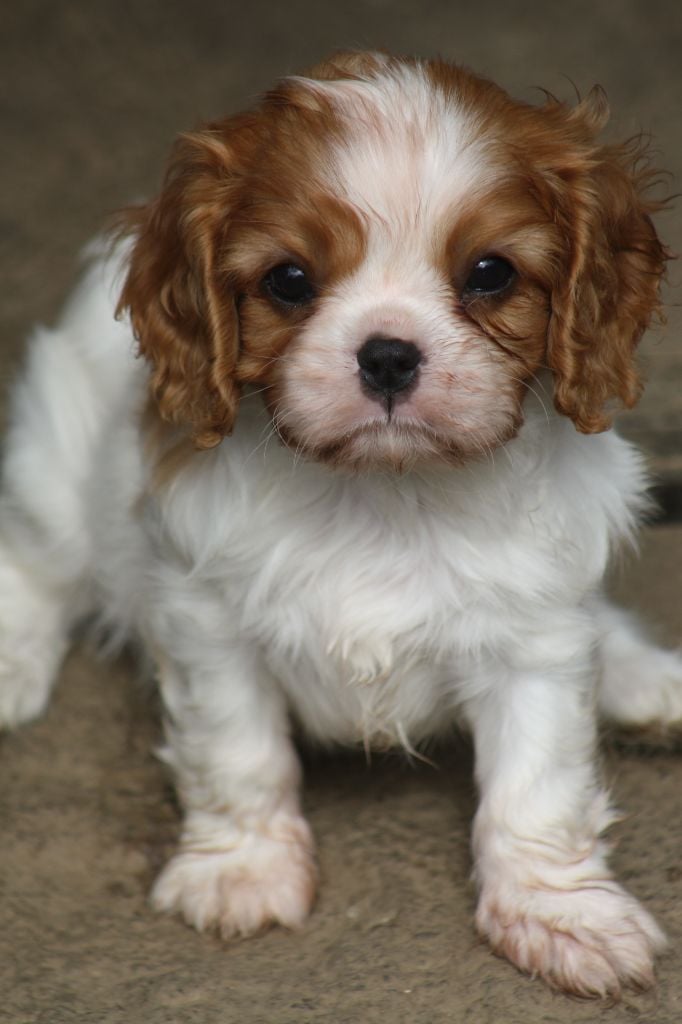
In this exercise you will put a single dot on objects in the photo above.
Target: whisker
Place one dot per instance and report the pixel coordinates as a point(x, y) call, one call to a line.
point(263, 443)
point(538, 394)
point(266, 387)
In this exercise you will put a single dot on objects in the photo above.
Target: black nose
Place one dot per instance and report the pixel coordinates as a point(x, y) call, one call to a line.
point(388, 364)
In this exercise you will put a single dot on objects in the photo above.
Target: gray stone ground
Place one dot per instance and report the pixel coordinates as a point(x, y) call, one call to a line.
point(90, 96)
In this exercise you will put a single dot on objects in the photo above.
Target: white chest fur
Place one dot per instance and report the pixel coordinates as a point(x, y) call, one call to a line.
point(368, 597)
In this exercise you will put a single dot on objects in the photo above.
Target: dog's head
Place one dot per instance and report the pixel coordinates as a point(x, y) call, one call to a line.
point(391, 250)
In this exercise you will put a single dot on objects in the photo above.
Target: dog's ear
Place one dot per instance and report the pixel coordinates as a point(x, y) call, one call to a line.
point(609, 284)
point(181, 304)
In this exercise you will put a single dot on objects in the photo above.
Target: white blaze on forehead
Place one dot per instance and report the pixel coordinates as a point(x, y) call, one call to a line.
point(410, 153)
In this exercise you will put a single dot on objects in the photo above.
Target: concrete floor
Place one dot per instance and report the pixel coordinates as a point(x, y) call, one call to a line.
point(88, 816)
point(91, 95)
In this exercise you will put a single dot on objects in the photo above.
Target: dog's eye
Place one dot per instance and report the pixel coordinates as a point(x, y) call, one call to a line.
point(288, 283)
point(489, 275)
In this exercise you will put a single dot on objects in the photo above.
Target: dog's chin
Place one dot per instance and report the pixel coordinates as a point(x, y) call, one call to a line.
point(383, 446)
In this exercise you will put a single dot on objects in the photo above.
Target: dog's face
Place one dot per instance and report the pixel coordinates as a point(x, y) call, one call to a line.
point(391, 250)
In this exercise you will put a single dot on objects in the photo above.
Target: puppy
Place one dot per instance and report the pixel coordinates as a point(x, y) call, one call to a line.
point(363, 475)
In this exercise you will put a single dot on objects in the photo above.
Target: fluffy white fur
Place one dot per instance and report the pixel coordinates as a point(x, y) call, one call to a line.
point(380, 608)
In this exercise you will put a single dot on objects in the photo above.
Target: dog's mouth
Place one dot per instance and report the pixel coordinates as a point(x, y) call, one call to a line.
point(445, 428)
point(395, 444)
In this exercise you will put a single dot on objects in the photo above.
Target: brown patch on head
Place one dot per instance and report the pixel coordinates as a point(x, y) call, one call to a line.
point(247, 194)
point(507, 223)
point(315, 231)
point(590, 246)
point(240, 196)
point(354, 64)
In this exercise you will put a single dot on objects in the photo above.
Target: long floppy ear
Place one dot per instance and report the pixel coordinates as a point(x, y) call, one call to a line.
point(610, 285)
point(182, 310)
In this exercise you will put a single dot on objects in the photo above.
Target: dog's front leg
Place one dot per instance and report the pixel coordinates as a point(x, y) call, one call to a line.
point(246, 853)
point(547, 899)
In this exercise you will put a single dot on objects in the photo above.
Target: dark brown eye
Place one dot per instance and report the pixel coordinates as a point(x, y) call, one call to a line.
point(489, 275)
point(288, 284)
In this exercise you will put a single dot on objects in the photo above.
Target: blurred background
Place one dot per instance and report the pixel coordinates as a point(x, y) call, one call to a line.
point(92, 93)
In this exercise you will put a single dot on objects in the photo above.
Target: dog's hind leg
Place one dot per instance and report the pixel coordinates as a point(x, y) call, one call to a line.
point(640, 685)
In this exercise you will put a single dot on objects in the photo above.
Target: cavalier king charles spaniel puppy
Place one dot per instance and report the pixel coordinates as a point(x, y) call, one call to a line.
point(363, 479)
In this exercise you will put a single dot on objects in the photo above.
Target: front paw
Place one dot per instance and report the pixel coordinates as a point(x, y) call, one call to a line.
point(591, 940)
point(263, 877)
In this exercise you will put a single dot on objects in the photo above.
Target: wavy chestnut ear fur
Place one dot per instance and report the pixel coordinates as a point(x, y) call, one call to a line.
point(183, 312)
point(610, 290)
